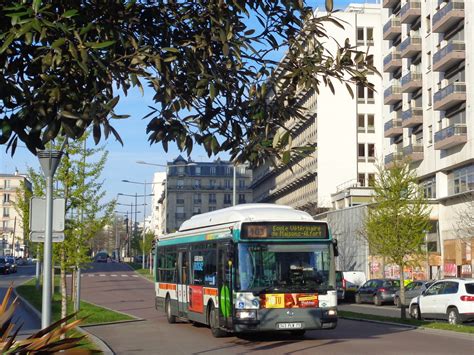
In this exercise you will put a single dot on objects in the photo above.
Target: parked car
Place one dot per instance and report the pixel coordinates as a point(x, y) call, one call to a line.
point(450, 299)
point(347, 283)
point(12, 264)
point(4, 267)
point(101, 258)
point(377, 291)
point(412, 290)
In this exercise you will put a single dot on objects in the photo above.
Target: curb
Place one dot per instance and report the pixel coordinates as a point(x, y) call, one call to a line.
point(103, 347)
point(422, 328)
point(143, 277)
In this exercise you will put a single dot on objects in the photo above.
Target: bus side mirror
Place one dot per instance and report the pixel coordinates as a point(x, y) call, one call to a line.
point(335, 247)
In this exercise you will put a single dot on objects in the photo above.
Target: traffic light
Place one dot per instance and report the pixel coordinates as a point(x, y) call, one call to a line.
point(153, 245)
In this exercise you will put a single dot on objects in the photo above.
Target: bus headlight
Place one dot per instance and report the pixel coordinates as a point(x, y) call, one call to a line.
point(246, 314)
point(332, 312)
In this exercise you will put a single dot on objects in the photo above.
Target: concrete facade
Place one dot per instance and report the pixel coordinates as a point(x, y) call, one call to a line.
point(428, 113)
point(12, 240)
point(346, 130)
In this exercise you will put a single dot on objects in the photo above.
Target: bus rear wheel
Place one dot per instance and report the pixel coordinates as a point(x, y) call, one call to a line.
point(214, 323)
point(169, 316)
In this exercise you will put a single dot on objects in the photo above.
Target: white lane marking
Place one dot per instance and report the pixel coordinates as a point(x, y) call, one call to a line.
point(113, 275)
point(102, 275)
point(91, 275)
point(124, 275)
point(134, 275)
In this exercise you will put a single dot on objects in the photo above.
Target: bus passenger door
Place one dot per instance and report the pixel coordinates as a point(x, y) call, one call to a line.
point(183, 282)
point(224, 278)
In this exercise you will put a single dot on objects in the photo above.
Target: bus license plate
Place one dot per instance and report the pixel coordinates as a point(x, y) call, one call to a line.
point(289, 325)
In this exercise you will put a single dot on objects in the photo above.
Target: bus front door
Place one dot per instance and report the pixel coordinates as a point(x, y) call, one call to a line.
point(183, 284)
point(225, 287)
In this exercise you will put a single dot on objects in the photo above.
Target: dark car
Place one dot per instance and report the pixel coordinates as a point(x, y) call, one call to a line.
point(4, 267)
point(11, 264)
point(101, 258)
point(412, 290)
point(377, 291)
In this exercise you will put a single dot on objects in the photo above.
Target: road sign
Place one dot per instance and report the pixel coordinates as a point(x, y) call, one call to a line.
point(38, 237)
point(38, 214)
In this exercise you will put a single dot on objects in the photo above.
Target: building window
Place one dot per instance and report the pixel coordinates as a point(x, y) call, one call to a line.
point(228, 170)
point(212, 198)
point(197, 184)
point(428, 187)
point(461, 180)
point(430, 134)
point(361, 153)
point(6, 212)
point(180, 212)
point(430, 102)
point(5, 225)
point(360, 36)
point(360, 93)
point(370, 123)
point(213, 170)
point(370, 96)
point(428, 24)
point(6, 184)
point(212, 183)
point(241, 198)
point(361, 179)
point(371, 179)
point(196, 210)
point(428, 60)
point(180, 170)
point(227, 184)
point(361, 123)
point(212, 208)
point(242, 184)
point(227, 199)
point(198, 170)
point(371, 150)
point(6, 198)
point(197, 199)
point(180, 184)
point(370, 36)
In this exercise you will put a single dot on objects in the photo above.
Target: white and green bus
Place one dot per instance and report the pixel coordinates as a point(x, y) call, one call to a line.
point(249, 268)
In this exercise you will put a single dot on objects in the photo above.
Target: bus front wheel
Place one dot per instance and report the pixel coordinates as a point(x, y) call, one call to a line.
point(169, 316)
point(214, 323)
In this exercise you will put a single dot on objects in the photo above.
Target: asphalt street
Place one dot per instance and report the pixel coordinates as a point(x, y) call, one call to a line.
point(115, 286)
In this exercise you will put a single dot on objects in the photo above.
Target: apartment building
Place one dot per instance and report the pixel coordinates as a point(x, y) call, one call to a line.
point(12, 240)
point(196, 187)
point(428, 115)
point(157, 214)
point(347, 131)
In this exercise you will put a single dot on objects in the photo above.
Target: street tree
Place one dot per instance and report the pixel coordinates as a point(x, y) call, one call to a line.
point(79, 182)
point(22, 208)
point(398, 220)
point(464, 224)
point(145, 247)
point(209, 65)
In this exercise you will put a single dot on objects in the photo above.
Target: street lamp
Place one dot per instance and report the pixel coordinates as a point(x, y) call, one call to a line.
point(133, 229)
point(144, 214)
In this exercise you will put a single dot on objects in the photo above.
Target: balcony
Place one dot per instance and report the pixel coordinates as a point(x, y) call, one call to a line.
point(392, 28)
point(393, 128)
point(448, 16)
point(392, 158)
point(414, 152)
point(411, 82)
point(393, 94)
point(410, 11)
point(412, 117)
point(451, 136)
point(451, 54)
point(389, 3)
point(410, 46)
point(451, 95)
point(392, 62)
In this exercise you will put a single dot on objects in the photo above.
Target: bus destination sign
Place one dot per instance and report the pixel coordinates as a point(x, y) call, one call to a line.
point(286, 230)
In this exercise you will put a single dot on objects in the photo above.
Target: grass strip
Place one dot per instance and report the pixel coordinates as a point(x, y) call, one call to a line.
point(137, 267)
point(413, 322)
point(93, 314)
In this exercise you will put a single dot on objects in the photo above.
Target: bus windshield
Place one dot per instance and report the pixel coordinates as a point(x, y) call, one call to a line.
point(264, 267)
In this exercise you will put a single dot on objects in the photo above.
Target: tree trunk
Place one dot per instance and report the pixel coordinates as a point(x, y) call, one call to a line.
point(403, 314)
point(73, 286)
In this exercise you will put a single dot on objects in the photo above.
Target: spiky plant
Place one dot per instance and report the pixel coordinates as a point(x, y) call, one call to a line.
point(51, 340)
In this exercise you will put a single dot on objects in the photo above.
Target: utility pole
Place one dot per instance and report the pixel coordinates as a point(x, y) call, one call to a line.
point(49, 161)
point(144, 220)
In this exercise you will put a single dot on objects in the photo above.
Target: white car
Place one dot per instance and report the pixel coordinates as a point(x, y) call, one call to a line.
point(451, 299)
point(348, 282)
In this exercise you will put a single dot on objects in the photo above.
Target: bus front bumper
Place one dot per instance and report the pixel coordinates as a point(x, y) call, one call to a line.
point(289, 319)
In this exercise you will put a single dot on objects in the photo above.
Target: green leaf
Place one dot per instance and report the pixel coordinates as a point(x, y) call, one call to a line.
point(286, 157)
point(170, 49)
point(36, 5)
point(7, 42)
point(99, 45)
point(70, 13)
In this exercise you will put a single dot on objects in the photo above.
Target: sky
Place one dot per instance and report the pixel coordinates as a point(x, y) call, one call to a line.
point(122, 160)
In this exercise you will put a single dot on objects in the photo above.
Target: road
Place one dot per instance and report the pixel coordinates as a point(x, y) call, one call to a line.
point(22, 314)
point(117, 287)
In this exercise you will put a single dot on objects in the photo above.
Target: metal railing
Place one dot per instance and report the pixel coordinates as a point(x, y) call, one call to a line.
point(392, 56)
point(452, 88)
point(410, 5)
point(452, 5)
point(457, 129)
point(394, 123)
point(412, 111)
point(413, 148)
point(394, 89)
point(410, 76)
point(452, 46)
point(393, 157)
point(393, 22)
point(412, 40)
